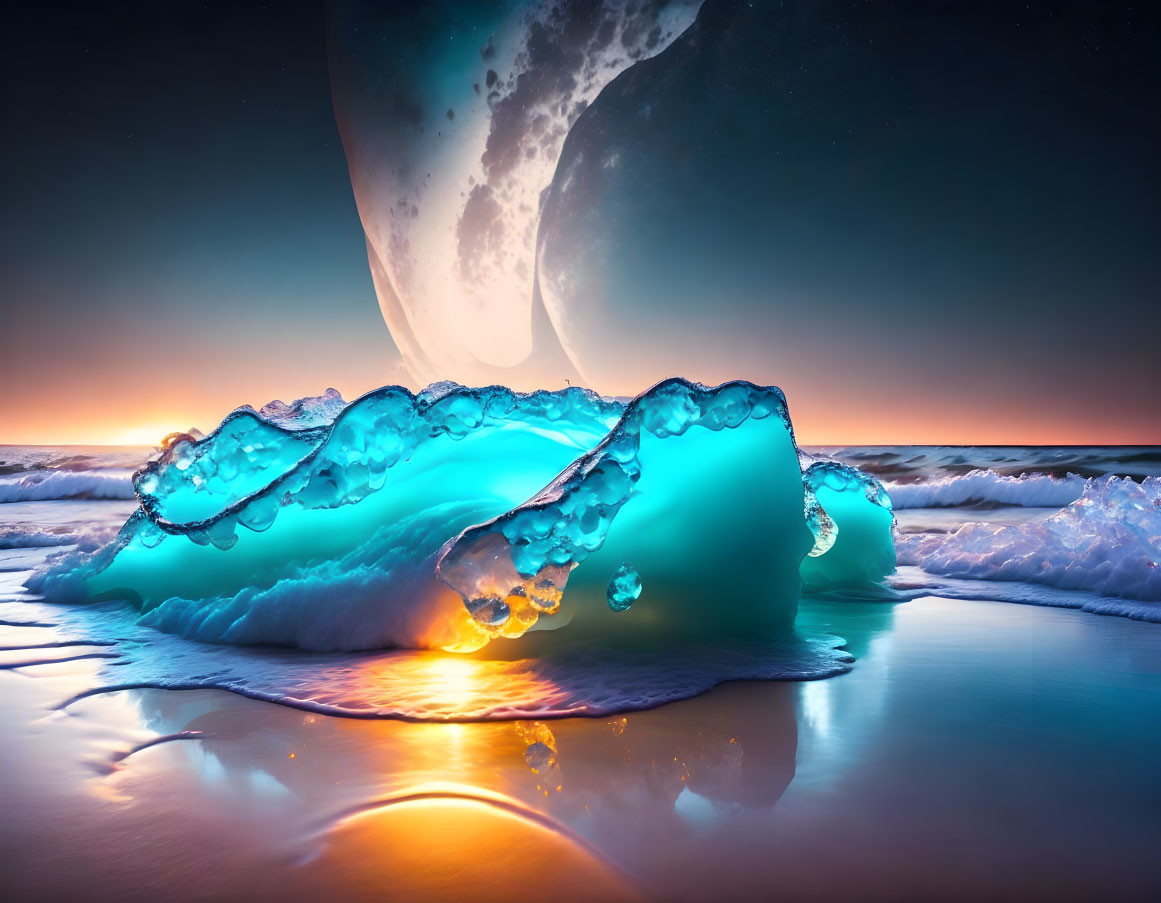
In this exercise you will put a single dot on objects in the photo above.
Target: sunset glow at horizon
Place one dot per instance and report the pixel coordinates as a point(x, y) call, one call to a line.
point(143, 418)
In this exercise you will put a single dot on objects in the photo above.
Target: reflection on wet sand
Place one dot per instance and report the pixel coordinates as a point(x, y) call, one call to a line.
point(715, 745)
point(977, 750)
point(437, 841)
point(605, 802)
point(611, 798)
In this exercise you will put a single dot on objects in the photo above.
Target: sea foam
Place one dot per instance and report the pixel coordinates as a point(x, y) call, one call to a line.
point(1107, 542)
point(17, 537)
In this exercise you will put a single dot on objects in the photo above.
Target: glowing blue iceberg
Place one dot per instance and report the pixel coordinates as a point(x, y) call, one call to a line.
point(851, 517)
point(455, 516)
point(697, 490)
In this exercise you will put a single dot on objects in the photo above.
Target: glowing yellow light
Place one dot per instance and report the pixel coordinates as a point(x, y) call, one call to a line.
point(535, 732)
point(541, 594)
point(150, 434)
point(470, 635)
point(449, 687)
point(451, 677)
point(447, 837)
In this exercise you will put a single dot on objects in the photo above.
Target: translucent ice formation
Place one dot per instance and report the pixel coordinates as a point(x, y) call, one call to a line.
point(851, 517)
point(697, 490)
point(624, 588)
point(456, 516)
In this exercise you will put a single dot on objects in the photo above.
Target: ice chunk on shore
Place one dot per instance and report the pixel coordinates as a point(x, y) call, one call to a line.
point(700, 489)
point(851, 516)
point(456, 516)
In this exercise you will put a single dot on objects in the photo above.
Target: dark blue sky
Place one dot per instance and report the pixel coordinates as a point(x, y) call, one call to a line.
point(929, 221)
point(179, 234)
point(935, 220)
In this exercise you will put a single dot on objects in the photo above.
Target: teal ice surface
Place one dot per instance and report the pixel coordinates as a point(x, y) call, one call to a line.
point(340, 535)
point(624, 588)
point(700, 489)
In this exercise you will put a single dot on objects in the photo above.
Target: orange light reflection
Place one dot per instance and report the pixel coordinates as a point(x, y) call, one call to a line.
point(447, 841)
point(451, 687)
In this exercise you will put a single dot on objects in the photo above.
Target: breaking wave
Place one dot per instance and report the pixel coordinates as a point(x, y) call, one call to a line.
point(1035, 490)
point(53, 485)
point(897, 464)
point(1106, 542)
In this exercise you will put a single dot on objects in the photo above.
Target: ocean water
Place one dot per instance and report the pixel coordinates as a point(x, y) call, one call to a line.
point(952, 745)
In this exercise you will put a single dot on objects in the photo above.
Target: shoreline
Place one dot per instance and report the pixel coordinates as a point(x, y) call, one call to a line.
point(790, 786)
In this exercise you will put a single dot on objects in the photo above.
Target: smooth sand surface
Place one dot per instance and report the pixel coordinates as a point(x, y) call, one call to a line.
point(976, 750)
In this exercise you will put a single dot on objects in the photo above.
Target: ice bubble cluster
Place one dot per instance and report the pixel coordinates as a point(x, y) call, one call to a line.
point(318, 410)
point(624, 588)
point(455, 516)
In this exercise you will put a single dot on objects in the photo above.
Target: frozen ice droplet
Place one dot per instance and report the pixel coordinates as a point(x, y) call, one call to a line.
point(624, 588)
point(540, 757)
point(491, 611)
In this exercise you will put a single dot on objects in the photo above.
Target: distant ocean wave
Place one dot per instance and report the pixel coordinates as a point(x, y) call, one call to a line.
point(51, 485)
point(1035, 490)
point(17, 460)
point(925, 463)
